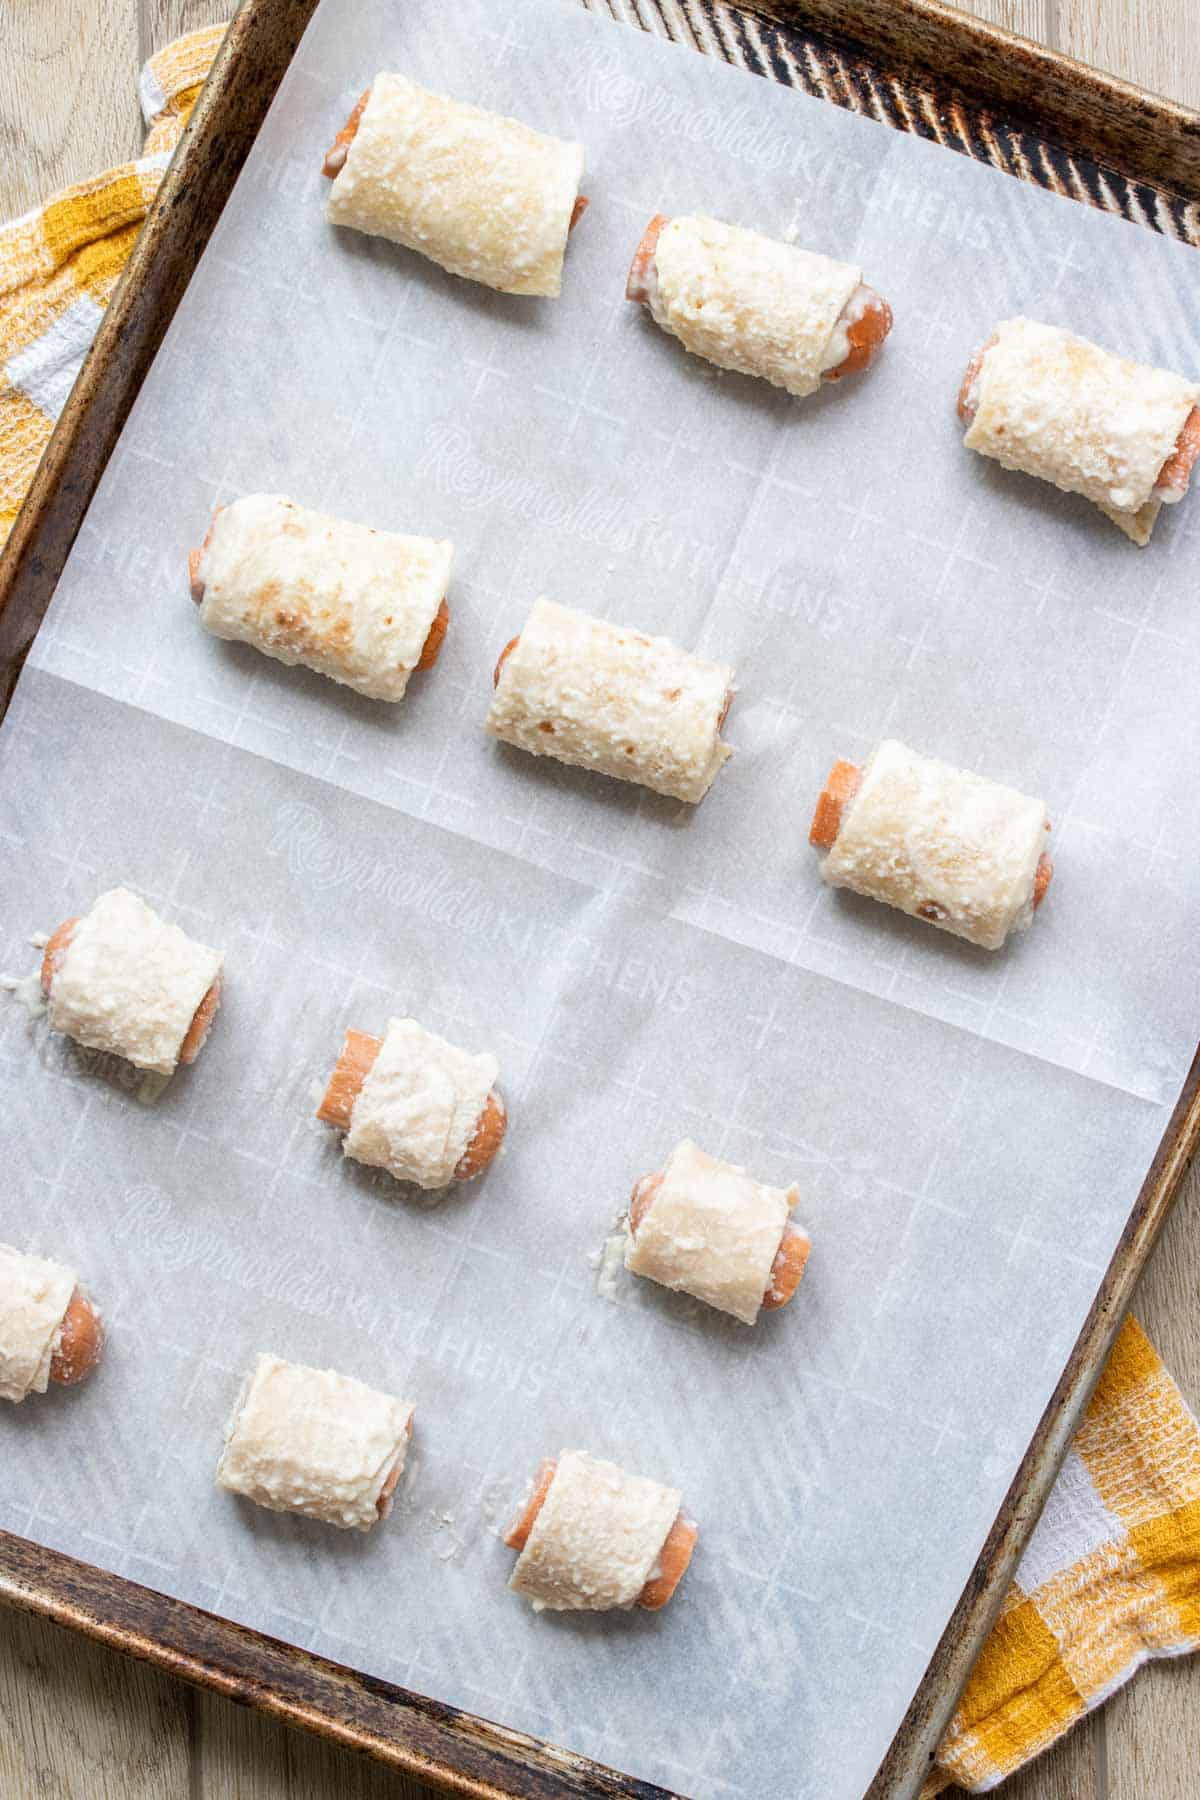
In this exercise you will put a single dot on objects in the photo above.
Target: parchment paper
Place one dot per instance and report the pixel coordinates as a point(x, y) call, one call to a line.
point(968, 1131)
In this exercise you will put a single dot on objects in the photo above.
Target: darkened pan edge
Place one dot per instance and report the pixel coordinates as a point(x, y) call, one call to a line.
point(919, 66)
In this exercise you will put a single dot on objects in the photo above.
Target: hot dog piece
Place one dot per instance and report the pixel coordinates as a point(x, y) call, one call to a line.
point(964, 853)
point(592, 1537)
point(673, 1560)
point(314, 1442)
point(791, 1260)
point(517, 1535)
point(751, 303)
point(80, 1342)
point(57, 945)
point(605, 697)
point(383, 1505)
point(968, 393)
point(840, 788)
point(197, 1032)
point(502, 659)
point(706, 1228)
point(436, 638)
point(485, 1144)
point(866, 322)
point(483, 196)
point(122, 980)
point(1176, 472)
point(364, 607)
point(414, 1105)
point(643, 281)
point(359, 1051)
point(335, 156)
point(196, 560)
point(1125, 436)
point(49, 1329)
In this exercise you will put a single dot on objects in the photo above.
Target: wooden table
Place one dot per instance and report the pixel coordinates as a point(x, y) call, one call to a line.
point(82, 1723)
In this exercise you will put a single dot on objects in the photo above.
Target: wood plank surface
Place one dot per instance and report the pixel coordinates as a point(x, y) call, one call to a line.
point(78, 1723)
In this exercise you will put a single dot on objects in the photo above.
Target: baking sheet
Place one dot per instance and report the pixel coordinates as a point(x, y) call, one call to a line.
point(969, 1132)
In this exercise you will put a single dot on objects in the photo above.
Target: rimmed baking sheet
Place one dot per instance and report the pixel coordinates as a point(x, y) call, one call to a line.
point(595, 937)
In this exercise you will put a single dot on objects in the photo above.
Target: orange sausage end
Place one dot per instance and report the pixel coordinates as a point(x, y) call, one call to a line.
point(345, 1084)
point(577, 211)
point(503, 658)
point(517, 1535)
point(335, 156)
point(865, 337)
point(642, 1198)
point(57, 947)
point(80, 1343)
point(201, 1023)
point(841, 785)
point(194, 559)
point(383, 1505)
point(673, 1559)
point(489, 1135)
point(966, 410)
point(1176, 472)
point(636, 287)
point(1042, 880)
point(437, 634)
point(788, 1267)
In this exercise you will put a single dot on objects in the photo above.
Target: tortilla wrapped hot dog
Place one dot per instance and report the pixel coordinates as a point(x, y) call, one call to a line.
point(415, 1105)
point(592, 1537)
point(605, 697)
point(314, 1442)
point(966, 854)
point(748, 302)
point(481, 195)
point(49, 1329)
point(122, 980)
point(1123, 435)
point(364, 607)
point(706, 1228)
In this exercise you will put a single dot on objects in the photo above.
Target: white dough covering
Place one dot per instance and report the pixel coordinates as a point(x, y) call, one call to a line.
point(482, 195)
point(130, 984)
point(314, 1442)
point(608, 698)
point(955, 849)
point(34, 1297)
point(711, 1231)
point(749, 302)
point(1056, 406)
point(350, 602)
point(596, 1540)
point(419, 1106)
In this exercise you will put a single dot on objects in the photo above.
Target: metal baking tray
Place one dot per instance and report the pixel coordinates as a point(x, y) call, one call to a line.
point(915, 65)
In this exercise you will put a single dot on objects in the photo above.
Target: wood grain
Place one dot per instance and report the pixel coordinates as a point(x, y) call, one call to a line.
point(79, 1723)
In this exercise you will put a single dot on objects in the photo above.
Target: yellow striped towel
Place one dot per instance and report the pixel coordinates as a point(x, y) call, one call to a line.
point(1111, 1576)
point(60, 262)
point(1109, 1579)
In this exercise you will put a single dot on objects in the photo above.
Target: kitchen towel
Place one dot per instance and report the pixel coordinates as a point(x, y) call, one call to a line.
point(60, 262)
point(1109, 1579)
